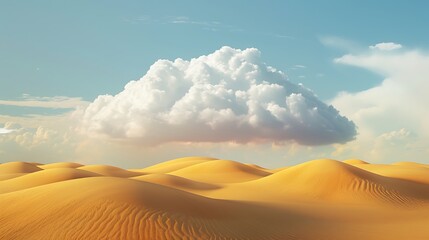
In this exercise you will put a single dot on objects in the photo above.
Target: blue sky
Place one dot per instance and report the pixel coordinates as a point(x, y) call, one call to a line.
point(87, 48)
point(83, 49)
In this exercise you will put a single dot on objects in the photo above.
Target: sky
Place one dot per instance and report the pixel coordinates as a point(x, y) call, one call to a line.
point(267, 82)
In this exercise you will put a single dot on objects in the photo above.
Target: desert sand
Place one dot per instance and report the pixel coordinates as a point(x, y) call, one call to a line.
point(207, 198)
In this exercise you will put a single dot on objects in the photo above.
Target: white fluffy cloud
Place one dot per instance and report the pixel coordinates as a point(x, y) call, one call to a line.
point(229, 95)
point(393, 116)
point(386, 46)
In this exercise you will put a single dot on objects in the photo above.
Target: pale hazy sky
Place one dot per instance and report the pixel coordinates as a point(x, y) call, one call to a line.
point(255, 81)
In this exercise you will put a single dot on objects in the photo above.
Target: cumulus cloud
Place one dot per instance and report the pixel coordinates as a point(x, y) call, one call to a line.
point(35, 144)
point(229, 95)
point(392, 117)
point(386, 46)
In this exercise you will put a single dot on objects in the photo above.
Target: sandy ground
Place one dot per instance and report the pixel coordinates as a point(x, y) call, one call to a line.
point(205, 198)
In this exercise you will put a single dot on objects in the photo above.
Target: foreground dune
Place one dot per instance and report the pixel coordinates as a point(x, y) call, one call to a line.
point(206, 198)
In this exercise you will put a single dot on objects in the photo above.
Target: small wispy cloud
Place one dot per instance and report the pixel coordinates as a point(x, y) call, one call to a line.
point(297, 66)
point(56, 102)
point(340, 43)
point(283, 36)
point(208, 25)
point(187, 20)
point(182, 20)
point(386, 46)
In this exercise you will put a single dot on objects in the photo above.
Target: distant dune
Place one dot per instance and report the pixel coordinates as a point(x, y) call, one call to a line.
point(206, 198)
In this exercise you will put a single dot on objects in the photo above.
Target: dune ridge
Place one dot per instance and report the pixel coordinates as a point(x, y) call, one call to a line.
point(207, 198)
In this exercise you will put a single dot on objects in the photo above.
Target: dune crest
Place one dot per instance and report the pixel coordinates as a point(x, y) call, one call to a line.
point(355, 161)
point(18, 167)
point(207, 198)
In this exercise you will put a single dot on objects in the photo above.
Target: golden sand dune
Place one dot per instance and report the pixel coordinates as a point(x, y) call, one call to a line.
point(221, 171)
point(109, 171)
point(203, 198)
point(175, 164)
point(354, 161)
point(42, 178)
point(60, 165)
point(18, 167)
point(176, 182)
point(330, 179)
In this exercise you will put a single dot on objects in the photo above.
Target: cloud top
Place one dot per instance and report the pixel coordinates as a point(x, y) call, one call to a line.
point(229, 95)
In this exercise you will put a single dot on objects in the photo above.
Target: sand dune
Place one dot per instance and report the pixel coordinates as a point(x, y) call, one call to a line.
point(174, 165)
point(18, 167)
point(176, 182)
point(60, 165)
point(42, 178)
point(205, 198)
point(354, 161)
point(220, 171)
point(330, 180)
point(110, 171)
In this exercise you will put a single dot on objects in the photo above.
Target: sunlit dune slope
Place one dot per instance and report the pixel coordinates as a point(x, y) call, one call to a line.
point(109, 171)
point(354, 161)
point(174, 165)
point(60, 165)
point(330, 179)
point(221, 171)
point(43, 177)
point(206, 198)
point(115, 208)
point(18, 167)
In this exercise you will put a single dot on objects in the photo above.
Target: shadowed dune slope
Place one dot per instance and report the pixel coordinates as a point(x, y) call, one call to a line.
point(206, 198)
point(176, 182)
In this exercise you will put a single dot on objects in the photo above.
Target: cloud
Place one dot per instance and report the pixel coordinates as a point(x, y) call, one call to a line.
point(395, 109)
point(386, 46)
point(299, 66)
point(37, 144)
point(187, 20)
point(229, 95)
point(57, 102)
point(339, 43)
point(9, 127)
point(5, 130)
